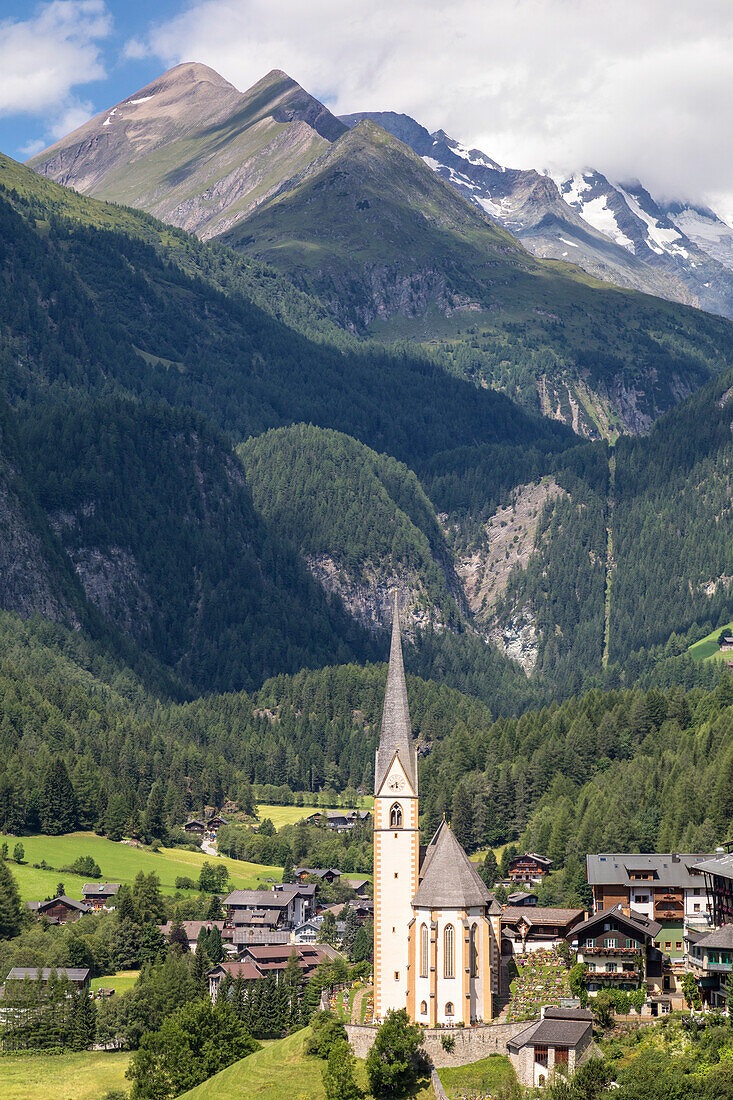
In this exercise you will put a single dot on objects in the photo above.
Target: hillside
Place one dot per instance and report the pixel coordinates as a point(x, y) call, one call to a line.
point(359, 222)
point(153, 512)
point(361, 520)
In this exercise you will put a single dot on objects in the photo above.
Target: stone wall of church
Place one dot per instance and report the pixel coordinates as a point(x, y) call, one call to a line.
point(471, 1043)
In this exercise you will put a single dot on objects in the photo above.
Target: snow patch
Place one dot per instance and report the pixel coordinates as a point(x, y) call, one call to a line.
point(142, 99)
point(108, 120)
point(660, 240)
point(598, 214)
point(566, 241)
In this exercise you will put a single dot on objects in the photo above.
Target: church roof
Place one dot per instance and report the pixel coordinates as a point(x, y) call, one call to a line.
point(449, 879)
point(396, 732)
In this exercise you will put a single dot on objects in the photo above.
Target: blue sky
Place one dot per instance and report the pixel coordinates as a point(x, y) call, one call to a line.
point(22, 130)
point(635, 90)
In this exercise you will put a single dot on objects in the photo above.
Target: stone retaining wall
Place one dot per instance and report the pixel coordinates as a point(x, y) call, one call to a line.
point(471, 1043)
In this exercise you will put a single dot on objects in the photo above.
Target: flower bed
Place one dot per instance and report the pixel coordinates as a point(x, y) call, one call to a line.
point(542, 980)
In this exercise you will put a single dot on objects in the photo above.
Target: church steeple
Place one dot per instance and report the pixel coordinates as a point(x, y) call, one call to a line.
point(396, 732)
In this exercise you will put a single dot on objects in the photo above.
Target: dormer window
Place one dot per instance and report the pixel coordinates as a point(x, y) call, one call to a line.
point(395, 816)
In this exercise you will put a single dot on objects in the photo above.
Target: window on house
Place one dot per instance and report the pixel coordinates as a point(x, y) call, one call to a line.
point(540, 1055)
point(449, 962)
point(449, 1008)
point(395, 816)
point(678, 945)
point(612, 942)
point(611, 968)
point(396, 975)
point(473, 952)
point(424, 951)
point(696, 907)
point(561, 1056)
point(423, 1008)
point(396, 875)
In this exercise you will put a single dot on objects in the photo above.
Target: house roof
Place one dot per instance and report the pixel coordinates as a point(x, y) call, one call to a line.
point(395, 736)
point(532, 855)
point(194, 821)
point(318, 872)
point(253, 934)
point(668, 869)
point(192, 927)
point(636, 923)
point(448, 878)
point(537, 914)
point(721, 937)
point(73, 973)
point(260, 899)
point(107, 889)
point(71, 903)
point(237, 969)
point(559, 1027)
point(718, 865)
point(520, 896)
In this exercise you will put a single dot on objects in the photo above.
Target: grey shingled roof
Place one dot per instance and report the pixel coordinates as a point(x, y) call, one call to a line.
point(107, 889)
point(73, 973)
point(396, 732)
point(721, 937)
point(614, 869)
point(449, 879)
point(637, 922)
point(718, 865)
point(537, 914)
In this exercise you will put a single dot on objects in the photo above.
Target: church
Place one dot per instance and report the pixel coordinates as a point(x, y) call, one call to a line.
point(437, 929)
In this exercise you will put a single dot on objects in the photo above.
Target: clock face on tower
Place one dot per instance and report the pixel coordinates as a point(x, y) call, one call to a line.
point(396, 783)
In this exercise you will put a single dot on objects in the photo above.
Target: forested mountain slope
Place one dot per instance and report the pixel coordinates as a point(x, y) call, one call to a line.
point(361, 520)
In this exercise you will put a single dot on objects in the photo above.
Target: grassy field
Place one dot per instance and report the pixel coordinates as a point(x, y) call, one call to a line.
point(86, 1076)
point(280, 1071)
point(489, 1077)
point(482, 854)
point(288, 815)
point(119, 863)
point(708, 647)
point(120, 982)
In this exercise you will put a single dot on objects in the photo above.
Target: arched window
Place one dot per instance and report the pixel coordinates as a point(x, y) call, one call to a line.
point(423, 1008)
point(473, 952)
point(395, 816)
point(449, 1008)
point(424, 951)
point(449, 953)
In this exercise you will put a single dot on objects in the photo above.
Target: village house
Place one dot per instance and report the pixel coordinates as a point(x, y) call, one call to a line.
point(528, 868)
point(325, 874)
point(243, 935)
point(521, 898)
point(195, 826)
point(100, 895)
point(193, 928)
point(529, 928)
point(560, 1040)
point(619, 951)
point(667, 888)
point(717, 872)
point(59, 910)
point(710, 959)
point(308, 931)
point(286, 905)
point(360, 886)
point(247, 971)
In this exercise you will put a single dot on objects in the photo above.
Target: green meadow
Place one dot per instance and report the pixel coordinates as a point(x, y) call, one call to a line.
point(289, 815)
point(89, 1075)
point(119, 862)
point(708, 647)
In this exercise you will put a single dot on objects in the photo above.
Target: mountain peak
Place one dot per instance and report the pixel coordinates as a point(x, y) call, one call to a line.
point(190, 72)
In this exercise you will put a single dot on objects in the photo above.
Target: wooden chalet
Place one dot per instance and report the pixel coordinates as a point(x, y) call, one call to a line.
point(529, 868)
point(529, 928)
point(195, 826)
point(611, 942)
point(100, 895)
point(325, 874)
point(59, 910)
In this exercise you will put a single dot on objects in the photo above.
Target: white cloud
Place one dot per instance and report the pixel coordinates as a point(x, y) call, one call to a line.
point(42, 58)
point(632, 88)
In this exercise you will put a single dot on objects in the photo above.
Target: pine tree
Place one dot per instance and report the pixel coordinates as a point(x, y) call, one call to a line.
point(178, 940)
point(59, 812)
point(199, 970)
point(154, 810)
point(339, 1075)
point(352, 927)
point(462, 819)
point(11, 908)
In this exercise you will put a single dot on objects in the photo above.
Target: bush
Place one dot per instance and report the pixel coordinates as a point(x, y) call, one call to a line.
point(327, 1032)
point(183, 882)
point(85, 865)
point(448, 1042)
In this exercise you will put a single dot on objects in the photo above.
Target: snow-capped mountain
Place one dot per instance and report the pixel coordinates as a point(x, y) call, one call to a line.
point(616, 231)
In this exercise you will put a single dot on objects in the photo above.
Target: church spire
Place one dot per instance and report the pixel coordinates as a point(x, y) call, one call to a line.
point(396, 733)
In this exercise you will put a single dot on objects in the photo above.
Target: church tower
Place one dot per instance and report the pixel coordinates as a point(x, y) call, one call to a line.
point(396, 838)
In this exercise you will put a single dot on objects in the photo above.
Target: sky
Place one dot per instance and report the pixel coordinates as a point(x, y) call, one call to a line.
point(638, 89)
